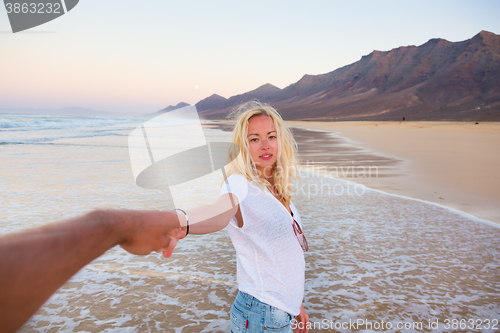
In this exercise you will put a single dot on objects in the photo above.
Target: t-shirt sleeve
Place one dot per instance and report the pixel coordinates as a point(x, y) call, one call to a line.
point(236, 184)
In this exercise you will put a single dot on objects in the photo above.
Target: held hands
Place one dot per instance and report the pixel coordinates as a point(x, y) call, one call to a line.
point(147, 231)
point(174, 236)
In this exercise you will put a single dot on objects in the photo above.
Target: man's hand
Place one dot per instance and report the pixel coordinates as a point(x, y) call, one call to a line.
point(147, 231)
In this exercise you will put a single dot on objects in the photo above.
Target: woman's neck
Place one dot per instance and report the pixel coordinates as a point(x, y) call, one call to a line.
point(267, 175)
point(269, 179)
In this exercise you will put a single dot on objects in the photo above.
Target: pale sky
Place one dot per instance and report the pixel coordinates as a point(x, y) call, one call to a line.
point(141, 56)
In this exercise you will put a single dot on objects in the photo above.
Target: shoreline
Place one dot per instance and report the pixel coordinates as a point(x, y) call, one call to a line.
point(449, 163)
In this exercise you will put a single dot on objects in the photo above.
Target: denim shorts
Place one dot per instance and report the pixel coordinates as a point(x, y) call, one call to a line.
point(248, 314)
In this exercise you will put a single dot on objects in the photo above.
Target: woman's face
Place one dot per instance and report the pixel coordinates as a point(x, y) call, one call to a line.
point(263, 142)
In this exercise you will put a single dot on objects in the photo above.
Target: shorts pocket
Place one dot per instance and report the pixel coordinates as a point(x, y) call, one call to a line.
point(279, 318)
point(238, 319)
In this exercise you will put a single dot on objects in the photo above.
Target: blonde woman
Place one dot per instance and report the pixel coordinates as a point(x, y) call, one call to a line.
point(264, 225)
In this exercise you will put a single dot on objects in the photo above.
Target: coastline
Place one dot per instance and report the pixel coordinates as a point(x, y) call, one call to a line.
point(453, 164)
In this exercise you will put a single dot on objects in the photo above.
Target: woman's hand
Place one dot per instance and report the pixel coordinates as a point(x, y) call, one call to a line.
point(174, 237)
point(301, 324)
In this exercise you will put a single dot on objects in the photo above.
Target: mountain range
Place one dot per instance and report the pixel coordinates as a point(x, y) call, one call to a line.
point(439, 80)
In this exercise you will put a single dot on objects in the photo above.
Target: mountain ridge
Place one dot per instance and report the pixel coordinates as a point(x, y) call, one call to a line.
point(438, 80)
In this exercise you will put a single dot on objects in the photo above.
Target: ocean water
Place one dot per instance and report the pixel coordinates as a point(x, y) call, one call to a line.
point(377, 262)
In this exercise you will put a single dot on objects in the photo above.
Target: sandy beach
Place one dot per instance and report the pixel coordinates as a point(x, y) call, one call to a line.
point(450, 163)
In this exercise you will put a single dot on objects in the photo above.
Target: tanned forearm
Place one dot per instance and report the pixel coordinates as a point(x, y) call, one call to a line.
point(35, 263)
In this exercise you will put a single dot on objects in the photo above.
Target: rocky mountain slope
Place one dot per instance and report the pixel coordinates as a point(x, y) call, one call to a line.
point(439, 80)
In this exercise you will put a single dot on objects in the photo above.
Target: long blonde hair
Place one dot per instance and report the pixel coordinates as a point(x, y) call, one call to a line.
point(241, 163)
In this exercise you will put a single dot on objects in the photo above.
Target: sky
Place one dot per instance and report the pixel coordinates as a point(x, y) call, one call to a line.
point(141, 56)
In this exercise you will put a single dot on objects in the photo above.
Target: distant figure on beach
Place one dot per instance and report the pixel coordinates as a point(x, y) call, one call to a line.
point(264, 225)
point(35, 263)
point(403, 118)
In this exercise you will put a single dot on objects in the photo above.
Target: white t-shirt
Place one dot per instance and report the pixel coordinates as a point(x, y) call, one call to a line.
point(270, 260)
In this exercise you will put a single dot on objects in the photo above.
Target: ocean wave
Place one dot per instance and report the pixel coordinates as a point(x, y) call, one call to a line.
point(30, 129)
point(24, 140)
point(15, 124)
point(51, 122)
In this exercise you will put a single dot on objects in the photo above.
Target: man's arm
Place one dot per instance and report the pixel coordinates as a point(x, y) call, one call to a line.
point(36, 262)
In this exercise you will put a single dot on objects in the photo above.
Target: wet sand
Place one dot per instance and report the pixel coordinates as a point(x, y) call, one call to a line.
point(450, 163)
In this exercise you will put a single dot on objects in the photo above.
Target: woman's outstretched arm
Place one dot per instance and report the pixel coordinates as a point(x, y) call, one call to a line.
point(211, 218)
